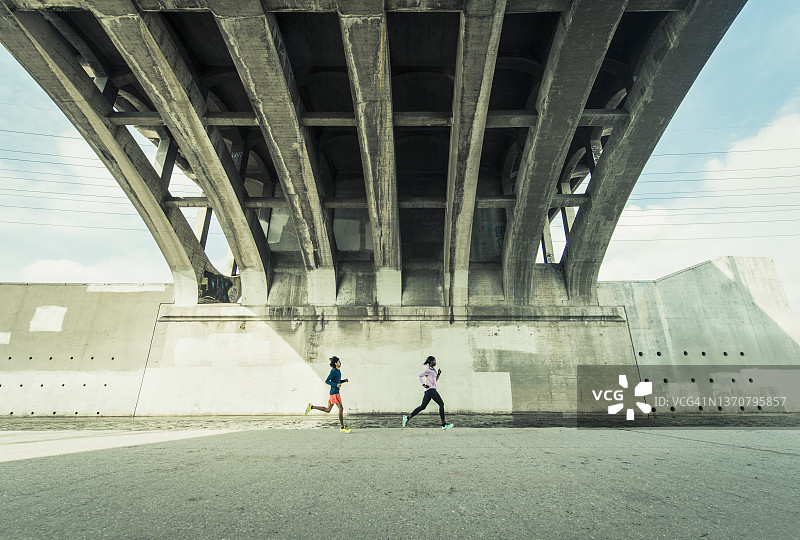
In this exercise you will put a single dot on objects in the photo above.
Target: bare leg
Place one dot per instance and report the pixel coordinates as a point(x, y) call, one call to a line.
point(341, 414)
point(323, 409)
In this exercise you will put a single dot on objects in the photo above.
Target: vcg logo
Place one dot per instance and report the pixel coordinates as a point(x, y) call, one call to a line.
point(641, 389)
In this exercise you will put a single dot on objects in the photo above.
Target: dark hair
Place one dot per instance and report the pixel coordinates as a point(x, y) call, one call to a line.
point(428, 360)
point(334, 359)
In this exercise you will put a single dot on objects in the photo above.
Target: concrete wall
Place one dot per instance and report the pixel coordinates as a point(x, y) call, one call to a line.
point(123, 350)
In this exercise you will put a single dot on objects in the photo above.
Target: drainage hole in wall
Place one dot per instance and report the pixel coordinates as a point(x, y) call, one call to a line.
point(647, 380)
point(84, 384)
point(105, 385)
point(759, 407)
point(20, 386)
point(719, 408)
point(666, 380)
point(700, 408)
point(711, 380)
point(733, 380)
point(685, 353)
point(741, 354)
point(98, 412)
point(41, 386)
point(92, 358)
point(11, 413)
point(30, 358)
point(658, 353)
point(640, 354)
point(62, 384)
point(741, 408)
point(72, 358)
point(31, 412)
point(54, 412)
point(751, 380)
point(672, 409)
point(724, 354)
point(112, 357)
point(652, 409)
point(76, 412)
point(51, 358)
point(692, 379)
point(703, 353)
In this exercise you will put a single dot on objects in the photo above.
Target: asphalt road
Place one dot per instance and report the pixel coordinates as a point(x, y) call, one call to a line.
point(400, 483)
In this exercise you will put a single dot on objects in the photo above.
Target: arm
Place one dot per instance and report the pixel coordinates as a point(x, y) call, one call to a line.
point(422, 379)
point(333, 379)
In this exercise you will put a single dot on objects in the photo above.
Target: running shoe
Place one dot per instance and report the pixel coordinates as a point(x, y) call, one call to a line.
point(405, 421)
point(308, 409)
point(344, 429)
point(446, 427)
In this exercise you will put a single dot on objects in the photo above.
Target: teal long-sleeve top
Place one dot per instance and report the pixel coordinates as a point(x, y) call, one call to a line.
point(334, 379)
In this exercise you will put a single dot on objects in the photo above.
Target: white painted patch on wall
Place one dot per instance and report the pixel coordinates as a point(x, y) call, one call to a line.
point(5, 338)
point(126, 287)
point(48, 319)
point(506, 338)
point(232, 350)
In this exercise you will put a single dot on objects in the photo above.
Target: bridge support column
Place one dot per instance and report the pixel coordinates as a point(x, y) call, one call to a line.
point(670, 63)
point(479, 40)
point(579, 46)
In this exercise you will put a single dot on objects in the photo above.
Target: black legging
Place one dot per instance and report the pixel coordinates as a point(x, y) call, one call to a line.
point(430, 394)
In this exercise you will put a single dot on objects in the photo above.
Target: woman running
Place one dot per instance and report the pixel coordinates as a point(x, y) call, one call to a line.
point(335, 380)
point(428, 378)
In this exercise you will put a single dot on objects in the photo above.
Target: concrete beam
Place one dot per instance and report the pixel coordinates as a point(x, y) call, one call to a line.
point(267, 76)
point(669, 65)
point(494, 119)
point(44, 53)
point(366, 48)
point(155, 58)
point(330, 6)
point(496, 201)
point(479, 39)
point(579, 46)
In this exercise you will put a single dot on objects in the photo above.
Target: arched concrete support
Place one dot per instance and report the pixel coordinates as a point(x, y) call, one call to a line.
point(366, 47)
point(671, 61)
point(268, 79)
point(146, 44)
point(579, 46)
point(44, 53)
point(479, 39)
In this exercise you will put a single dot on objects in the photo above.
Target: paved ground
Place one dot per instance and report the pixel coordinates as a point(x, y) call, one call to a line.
point(399, 483)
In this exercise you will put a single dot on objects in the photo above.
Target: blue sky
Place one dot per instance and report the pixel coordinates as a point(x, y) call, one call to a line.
point(63, 219)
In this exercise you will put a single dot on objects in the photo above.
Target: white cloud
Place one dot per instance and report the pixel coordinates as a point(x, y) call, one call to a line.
point(750, 213)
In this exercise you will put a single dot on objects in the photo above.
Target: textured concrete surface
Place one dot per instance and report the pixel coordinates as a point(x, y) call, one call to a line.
point(412, 483)
point(93, 350)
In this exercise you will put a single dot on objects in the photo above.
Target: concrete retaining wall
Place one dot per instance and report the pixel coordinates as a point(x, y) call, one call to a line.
point(124, 350)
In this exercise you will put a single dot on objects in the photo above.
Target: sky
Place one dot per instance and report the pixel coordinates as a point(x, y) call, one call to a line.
point(723, 180)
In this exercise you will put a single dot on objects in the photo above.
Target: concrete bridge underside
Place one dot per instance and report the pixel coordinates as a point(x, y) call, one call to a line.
point(419, 149)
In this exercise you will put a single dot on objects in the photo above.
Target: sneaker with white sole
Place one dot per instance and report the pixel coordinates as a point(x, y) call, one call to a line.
point(405, 421)
point(344, 429)
point(446, 427)
point(308, 409)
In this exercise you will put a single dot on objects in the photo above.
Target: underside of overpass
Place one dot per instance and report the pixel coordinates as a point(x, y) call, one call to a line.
point(370, 152)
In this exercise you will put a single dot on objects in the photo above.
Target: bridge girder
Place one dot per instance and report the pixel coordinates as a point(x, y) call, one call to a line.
point(535, 98)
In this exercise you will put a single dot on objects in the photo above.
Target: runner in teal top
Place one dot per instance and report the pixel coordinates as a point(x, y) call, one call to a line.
point(335, 381)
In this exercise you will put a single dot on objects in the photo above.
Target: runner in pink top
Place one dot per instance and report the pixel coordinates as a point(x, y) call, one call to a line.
point(428, 378)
